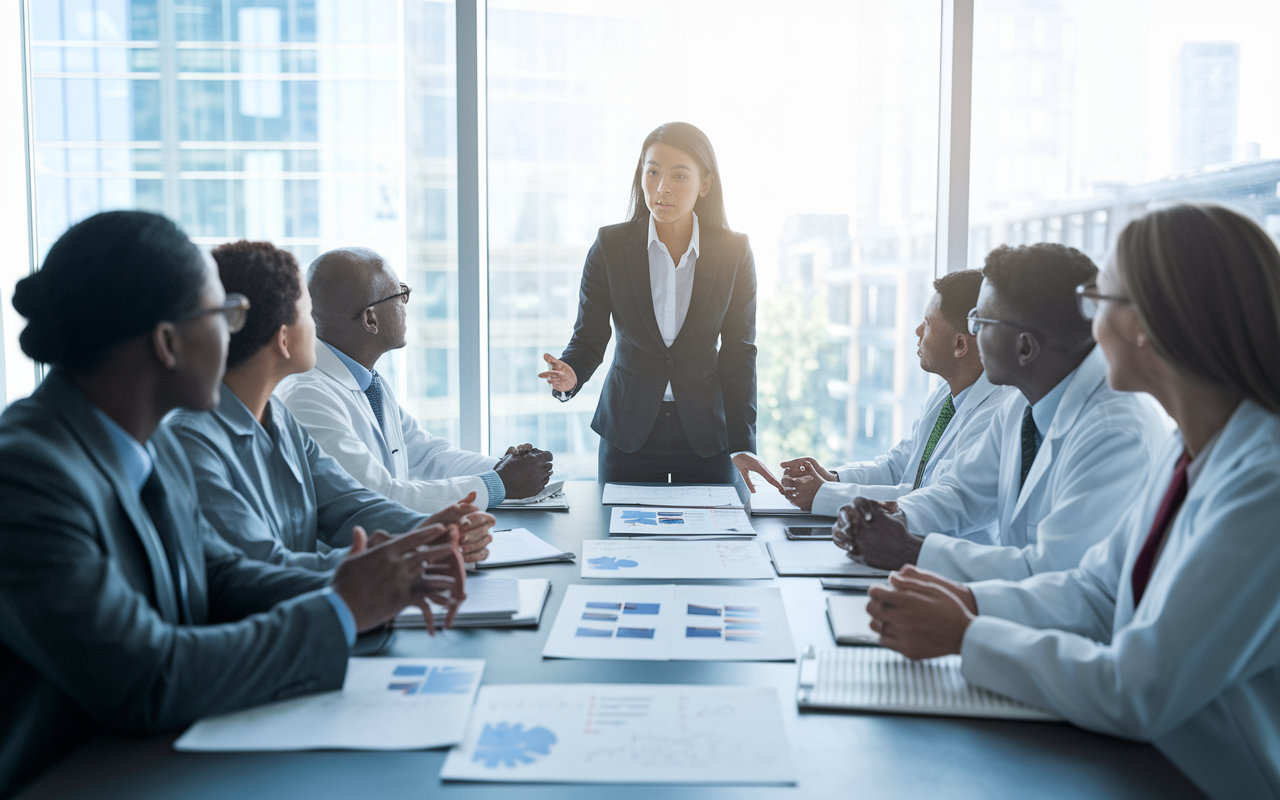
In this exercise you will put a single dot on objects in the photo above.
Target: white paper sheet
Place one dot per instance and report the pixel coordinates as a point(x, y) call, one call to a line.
point(671, 623)
point(665, 560)
point(520, 546)
point(817, 559)
point(767, 501)
point(385, 704)
point(551, 497)
point(680, 523)
point(533, 596)
point(624, 733)
point(711, 496)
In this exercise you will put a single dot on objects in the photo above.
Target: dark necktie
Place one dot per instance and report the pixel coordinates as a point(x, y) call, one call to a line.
point(374, 393)
point(944, 416)
point(155, 501)
point(1029, 445)
point(1173, 497)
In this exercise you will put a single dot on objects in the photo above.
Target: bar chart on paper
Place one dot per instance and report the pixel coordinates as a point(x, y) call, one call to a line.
point(671, 623)
point(621, 733)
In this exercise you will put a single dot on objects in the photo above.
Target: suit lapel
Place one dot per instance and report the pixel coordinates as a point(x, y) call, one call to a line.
point(75, 410)
point(704, 279)
point(637, 262)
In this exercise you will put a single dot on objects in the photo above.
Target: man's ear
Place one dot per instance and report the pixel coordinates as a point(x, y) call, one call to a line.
point(370, 319)
point(166, 345)
point(962, 346)
point(1028, 348)
point(282, 342)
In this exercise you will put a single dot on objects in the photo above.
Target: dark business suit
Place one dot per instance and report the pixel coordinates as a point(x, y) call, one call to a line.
point(714, 390)
point(91, 636)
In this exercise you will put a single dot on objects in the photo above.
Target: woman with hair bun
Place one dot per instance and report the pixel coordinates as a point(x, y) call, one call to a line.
point(1169, 630)
point(120, 608)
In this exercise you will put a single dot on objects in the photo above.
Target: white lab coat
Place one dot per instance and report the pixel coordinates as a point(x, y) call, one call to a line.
point(1195, 669)
point(408, 464)
point(893, 474)
point(1092, 462)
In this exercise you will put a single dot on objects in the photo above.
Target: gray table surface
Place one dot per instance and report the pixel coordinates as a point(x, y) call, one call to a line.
point(838, 755)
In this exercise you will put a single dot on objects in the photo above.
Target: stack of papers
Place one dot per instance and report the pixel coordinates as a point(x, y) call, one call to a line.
point(490, 607)
point(818, 559)
point(517, 547)
point(875, 679)
point(658, 494)
point(671, 623)
point(620, 733)
point(385, 704)
point(664, 560)
point(552, 498)
point(681, 523)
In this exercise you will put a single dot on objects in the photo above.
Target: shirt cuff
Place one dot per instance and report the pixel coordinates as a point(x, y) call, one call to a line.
point(497, 490)
point(345, 618)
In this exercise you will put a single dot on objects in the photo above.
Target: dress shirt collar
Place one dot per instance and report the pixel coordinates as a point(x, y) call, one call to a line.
point(363, 376)
point(1042, 410)
point(957, 399)
point(237, 416)
point(134, 457)
point(693, 240)
point(1197, 464)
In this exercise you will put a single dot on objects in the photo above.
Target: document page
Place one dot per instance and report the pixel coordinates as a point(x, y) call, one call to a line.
point(667, 560)
point(680, 523)
point(385, 704)
point(671, 623)
point(818, 558)
point(520, 546)
point(624, 733)
point(711, 496)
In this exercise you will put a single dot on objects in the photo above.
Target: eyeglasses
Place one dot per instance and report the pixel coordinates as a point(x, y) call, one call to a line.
point(405, 289)
point(976, 322)
point(1089, 299)
point(235, 309)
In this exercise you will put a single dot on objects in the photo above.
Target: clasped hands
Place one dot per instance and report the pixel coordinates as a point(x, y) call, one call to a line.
point(919, 613)
point(384, 574)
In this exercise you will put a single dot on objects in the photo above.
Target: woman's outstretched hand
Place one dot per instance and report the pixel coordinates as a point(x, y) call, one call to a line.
point(559, 375)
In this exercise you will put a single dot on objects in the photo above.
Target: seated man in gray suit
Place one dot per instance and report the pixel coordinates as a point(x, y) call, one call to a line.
point(120, 609)
point(264, 483)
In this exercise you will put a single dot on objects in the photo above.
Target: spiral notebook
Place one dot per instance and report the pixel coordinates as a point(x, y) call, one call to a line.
point(882, 681)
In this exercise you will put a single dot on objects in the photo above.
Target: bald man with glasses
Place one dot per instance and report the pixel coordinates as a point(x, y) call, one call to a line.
point(360, 309)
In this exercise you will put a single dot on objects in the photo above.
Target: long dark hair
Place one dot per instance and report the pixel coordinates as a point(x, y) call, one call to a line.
point(687, 139)
point(108, 279)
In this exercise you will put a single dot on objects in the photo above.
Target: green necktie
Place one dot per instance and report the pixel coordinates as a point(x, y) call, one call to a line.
point(944, 416)
point(1029, 445)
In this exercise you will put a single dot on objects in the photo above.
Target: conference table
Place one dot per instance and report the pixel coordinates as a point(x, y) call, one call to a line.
point(837, 754)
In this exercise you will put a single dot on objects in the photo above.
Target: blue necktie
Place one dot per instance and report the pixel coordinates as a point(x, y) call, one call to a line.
point(374, 393)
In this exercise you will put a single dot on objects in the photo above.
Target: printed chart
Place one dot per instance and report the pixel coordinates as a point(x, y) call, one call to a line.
point(385, 704)
point(671, 623)
point(680, 523)
point(664, 560)
point(620, 733)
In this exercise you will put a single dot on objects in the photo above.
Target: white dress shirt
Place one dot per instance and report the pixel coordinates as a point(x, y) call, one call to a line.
point(1096, 452)
point(1194, 667)
point(672, 285)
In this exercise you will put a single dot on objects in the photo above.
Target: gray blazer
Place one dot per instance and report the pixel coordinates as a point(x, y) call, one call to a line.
point(90, 637)
point(275, 494)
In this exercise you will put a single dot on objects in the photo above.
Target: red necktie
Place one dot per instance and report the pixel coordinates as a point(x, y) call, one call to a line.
point(1169, 506)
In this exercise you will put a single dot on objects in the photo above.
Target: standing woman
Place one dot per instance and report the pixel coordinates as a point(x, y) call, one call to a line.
point(675, 280)
point(1169, 630)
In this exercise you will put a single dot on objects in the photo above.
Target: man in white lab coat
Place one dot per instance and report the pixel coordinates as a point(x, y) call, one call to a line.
point(359, 306)
point(954, 417)
point(1060, 462)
